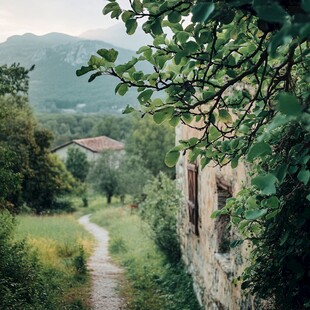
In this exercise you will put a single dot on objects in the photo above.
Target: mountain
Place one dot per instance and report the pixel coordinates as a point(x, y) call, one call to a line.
point(117, 35)
point(54, 87)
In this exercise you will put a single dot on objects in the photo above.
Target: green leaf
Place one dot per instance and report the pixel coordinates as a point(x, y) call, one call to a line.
point(171, 158)
point(187, 118)
point(216, 213)
point(271, 12)
point(93, 76)
point(207, 95)
point(271, 203)
point(265, 183)
point(95, 61)
point(131, 26)
point(174, 17)
point(109, 55)
point(182, 36)
point(259, 149)
point(225, 116)
point(281, 171)
point(137, 6)
point(174, 121)
point(145, 96)
point(194, 153)
point(126, 15)
point(213, 134)
point(288, 104)
point(123, 89)
point(83, 70)
point(204, 162)
point(234, 162)
point(202, 11)
point(162, 114)
point(156, 27)
point(303, 176)
point(111, 7)
point(255, 214)
point(128, 109)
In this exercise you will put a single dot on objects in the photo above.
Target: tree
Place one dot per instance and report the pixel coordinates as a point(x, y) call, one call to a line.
point(77, 164)
point(103, 174)
point(31, 174)
point(14, 80)
point(150, 142)
point(237, 71)
point(132, 177)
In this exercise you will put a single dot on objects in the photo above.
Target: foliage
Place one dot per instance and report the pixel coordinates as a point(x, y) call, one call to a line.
point(77, 164)
point(150, 282)
point(150, 142)
point(103, 174)
point(31, 174)
point(14, 79)
point(21, 279)
point(132, 177)
point(10, 179)
point(238, 73)
point(159, 210)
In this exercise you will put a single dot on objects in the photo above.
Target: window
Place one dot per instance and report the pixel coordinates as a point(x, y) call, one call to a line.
point(222, 222)
point(192, 177)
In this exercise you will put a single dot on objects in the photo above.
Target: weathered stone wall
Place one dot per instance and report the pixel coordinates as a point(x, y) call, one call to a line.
point(212, 271)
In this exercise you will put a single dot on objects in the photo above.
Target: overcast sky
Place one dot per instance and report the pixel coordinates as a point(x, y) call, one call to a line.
point(43, 16)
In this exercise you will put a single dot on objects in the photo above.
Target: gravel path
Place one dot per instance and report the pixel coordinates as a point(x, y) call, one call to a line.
point(104, 274)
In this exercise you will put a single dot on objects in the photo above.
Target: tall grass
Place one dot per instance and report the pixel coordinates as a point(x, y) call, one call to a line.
point(62, 246)
point(150, 281)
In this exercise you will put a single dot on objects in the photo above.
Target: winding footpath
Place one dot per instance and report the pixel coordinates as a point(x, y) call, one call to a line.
point(103, 274)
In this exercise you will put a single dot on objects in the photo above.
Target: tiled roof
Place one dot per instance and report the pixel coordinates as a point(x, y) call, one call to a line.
point(99, 144)
point(96, 144)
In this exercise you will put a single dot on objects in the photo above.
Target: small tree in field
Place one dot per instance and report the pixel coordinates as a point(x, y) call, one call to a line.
point(103, 175)
point(77, 164)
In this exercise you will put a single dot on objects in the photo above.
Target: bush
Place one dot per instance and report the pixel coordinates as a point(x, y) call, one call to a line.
point(159, 210)
point(63, 204)
point(21, 281)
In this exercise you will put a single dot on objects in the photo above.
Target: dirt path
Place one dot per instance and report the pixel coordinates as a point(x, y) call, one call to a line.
point(104, 274)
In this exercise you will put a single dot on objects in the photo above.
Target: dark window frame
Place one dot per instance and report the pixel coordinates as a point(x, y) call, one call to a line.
point(193, 207)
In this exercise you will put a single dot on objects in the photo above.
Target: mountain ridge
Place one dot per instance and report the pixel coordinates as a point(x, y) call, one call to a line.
point(54, 86)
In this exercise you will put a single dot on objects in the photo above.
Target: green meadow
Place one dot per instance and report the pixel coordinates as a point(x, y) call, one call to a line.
point(62, 246)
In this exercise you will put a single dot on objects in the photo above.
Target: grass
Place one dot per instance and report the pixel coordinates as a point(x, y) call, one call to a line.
point(150, 281)
point(62, 246)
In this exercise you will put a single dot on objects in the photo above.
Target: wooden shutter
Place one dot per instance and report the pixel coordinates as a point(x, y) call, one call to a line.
point(192, 178)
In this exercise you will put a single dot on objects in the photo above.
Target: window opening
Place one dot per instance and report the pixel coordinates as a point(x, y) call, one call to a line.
point(192, 175)
point(223, 221)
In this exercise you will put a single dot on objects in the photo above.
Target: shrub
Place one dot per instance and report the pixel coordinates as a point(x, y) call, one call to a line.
point(159, 210)
point(21, 281)
point(63, 204)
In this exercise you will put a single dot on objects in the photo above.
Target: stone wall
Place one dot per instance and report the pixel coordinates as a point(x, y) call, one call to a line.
point(212, 266)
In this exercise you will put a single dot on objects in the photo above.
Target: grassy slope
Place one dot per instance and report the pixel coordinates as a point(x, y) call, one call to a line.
point(151, 283)
point(58, 241)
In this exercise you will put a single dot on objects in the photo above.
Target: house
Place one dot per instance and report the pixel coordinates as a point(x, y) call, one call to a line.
point(92, 147)
point(205, 241)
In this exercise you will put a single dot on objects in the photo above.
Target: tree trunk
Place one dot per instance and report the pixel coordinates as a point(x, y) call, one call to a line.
point(109, 198)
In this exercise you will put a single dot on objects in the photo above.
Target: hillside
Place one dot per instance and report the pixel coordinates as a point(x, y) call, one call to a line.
point(116, 35)
point(54, 86)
